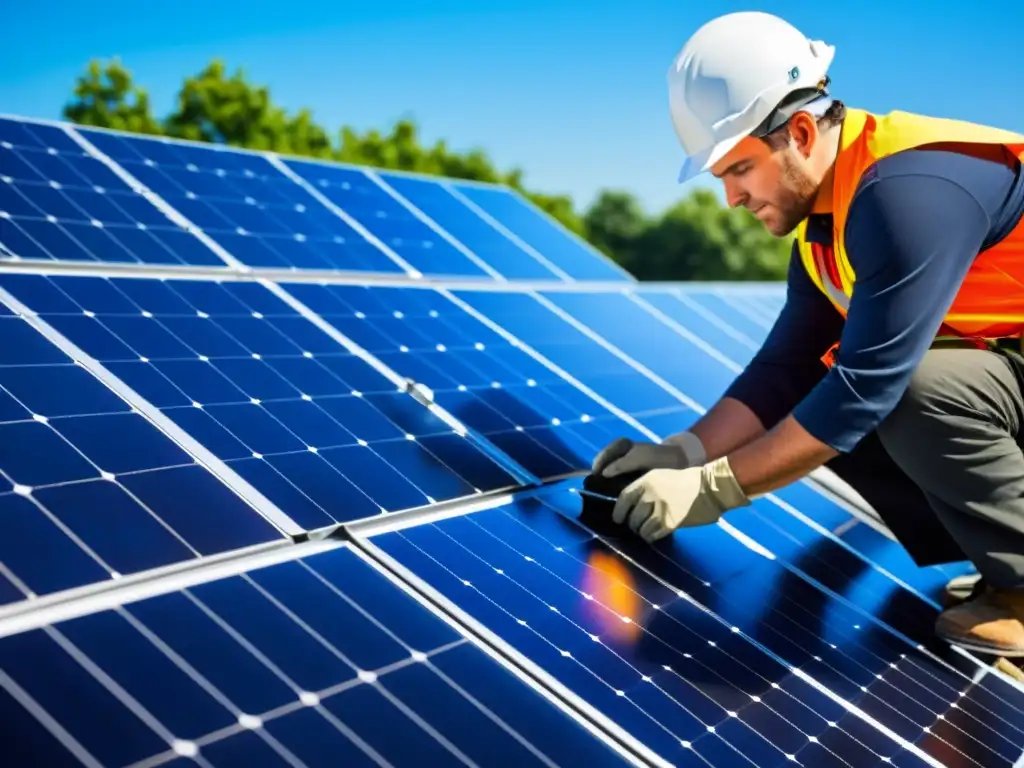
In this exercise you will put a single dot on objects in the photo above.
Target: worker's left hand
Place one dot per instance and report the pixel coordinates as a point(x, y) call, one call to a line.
point(666, 499)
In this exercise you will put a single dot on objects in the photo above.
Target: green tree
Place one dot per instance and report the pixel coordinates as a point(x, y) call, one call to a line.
point(218, 108)
point(700, 239)
point(614, 223)
point(106, 97)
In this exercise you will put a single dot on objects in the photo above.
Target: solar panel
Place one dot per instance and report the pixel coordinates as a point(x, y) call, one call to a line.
point(246, 205)
point(289, 462)
point(316, 661)
point(728, 656)
point(537, 417)
point(314, 427)
point(89, 489)
point(58, 202)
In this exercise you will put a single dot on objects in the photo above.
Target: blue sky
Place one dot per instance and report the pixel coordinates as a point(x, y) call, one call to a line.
point(573, 91)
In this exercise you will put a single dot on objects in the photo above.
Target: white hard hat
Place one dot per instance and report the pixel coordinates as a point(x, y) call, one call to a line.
point(741, 74)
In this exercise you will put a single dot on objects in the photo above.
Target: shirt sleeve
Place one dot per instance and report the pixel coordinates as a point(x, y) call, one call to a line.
point(788, 365)
point(913, 231)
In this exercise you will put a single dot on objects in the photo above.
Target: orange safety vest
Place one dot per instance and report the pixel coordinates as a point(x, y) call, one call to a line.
point(990, 302)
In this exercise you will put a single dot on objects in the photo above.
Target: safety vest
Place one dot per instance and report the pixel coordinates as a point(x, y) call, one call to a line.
point(990, 302)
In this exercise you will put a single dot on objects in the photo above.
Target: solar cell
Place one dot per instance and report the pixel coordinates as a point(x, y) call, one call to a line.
point(90, 490)
point(59, 203)
point(245, 204)
point(315, 428)
point(320, 661)
point(414, 240)
point(537, 417)
point(511, 259)
point(538, 232)
point(727, 655)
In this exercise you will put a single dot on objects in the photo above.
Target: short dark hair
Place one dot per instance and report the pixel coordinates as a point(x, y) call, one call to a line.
point(833, 116)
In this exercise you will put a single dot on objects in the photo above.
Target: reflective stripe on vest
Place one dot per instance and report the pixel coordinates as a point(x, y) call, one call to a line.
point(990, 302)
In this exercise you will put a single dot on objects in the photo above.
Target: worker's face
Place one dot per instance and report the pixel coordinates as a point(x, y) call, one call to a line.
point(777, 185)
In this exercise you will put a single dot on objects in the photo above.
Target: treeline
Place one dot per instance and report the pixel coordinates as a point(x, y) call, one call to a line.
point(695, 239)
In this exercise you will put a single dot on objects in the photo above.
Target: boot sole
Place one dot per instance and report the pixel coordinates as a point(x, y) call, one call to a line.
point(990, 649)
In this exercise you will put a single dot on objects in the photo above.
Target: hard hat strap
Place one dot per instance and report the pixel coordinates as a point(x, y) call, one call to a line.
point(792, 103)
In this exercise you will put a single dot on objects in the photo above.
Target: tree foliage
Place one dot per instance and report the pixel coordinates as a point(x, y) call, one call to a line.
point(695, 239)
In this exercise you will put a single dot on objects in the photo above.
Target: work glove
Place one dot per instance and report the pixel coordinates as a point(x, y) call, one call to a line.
point(624, 455)
point(666, 499)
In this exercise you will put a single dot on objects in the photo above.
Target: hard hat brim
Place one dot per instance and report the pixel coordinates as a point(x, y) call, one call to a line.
point(700, 163)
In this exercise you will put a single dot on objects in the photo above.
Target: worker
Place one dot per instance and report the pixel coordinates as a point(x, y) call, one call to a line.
point(896, 358)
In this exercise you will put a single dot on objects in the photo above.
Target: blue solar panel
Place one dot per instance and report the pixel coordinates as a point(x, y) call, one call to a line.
point(57, 202)
point(537, 417)
point(415, 241)
point(317, 662)
point(512, 260)
point(259, 215)
point(734, 657)
point(570, 254)
point(90, 490)
point(148, 422)
point(316, 429)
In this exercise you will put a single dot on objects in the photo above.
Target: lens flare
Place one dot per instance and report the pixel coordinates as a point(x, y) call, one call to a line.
point(613, 605)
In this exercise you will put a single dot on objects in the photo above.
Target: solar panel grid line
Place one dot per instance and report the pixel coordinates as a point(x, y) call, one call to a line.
point(609, 731)
point(51, 724)
point(158, 202)
point(368, 527)
point(624, 357)
point(747, 309)
point(515, 341)
point(693, 338)
point(278, 162)
point(97, 597)
point(238, 485)
point(853, 709)
point(501, 228)
point(715, 320)
point(444, 234)
point(113, 269)
point(401, 383)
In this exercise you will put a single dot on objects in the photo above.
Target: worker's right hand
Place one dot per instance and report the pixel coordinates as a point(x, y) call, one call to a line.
point(624, 455)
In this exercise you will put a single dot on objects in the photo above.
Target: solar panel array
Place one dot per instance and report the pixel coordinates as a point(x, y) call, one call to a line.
point(289, 461)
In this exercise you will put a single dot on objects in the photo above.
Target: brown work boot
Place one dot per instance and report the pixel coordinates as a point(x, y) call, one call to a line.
point(992, 622)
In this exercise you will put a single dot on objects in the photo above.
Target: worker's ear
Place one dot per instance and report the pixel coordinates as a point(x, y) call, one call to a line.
point(804, 133)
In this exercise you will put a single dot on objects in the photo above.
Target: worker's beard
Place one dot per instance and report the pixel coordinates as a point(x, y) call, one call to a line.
point(794, 200)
